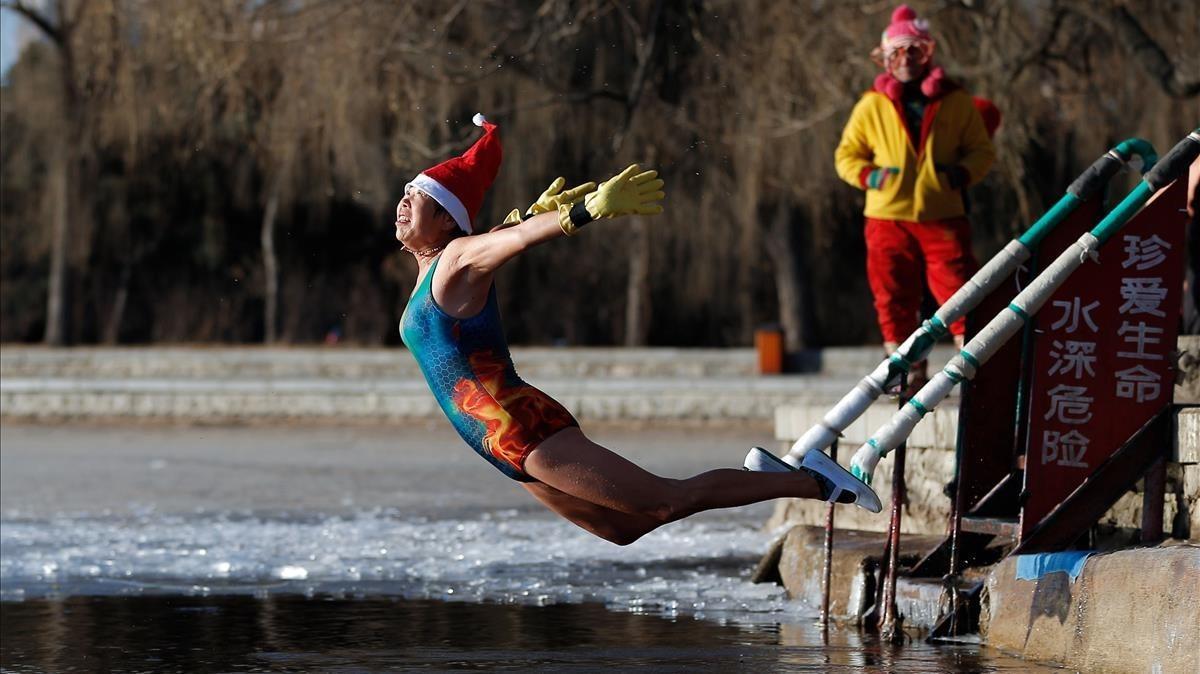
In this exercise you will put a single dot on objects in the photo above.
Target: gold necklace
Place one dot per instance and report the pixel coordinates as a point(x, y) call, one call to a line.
point(427, 252)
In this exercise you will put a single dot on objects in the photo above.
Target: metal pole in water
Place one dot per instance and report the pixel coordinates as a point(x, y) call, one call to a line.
point(828, 567)
point(876, 615)
point(956, 508)
point(958, 502)
point(887, 622)
point(891, 630)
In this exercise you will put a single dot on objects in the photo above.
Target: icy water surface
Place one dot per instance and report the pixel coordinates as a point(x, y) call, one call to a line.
point(506, 557)
point(214, 550)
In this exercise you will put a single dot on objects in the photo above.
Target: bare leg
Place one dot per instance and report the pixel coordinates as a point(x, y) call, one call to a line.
point(576, 467)
point(611, 525)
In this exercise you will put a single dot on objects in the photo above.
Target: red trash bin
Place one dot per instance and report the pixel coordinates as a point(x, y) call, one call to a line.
point(768, 343)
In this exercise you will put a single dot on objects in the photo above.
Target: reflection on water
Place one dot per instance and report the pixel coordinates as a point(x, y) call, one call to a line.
point(298, 634)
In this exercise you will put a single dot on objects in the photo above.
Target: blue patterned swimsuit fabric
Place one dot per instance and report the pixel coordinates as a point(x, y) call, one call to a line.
point(470, 372)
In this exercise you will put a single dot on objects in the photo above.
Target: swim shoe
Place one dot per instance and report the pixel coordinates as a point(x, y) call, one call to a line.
point(762, 461)
point(837, 484)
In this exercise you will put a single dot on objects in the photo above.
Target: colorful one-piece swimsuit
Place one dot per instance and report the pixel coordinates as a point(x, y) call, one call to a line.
point(468, 368)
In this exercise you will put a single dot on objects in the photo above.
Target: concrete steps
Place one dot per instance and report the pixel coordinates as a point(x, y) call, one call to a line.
point(354, 364)
point(278, 399)
point(250, 362)
point(220, 385)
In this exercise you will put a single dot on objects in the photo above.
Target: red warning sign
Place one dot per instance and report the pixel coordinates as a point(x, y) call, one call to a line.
point(1103, 364)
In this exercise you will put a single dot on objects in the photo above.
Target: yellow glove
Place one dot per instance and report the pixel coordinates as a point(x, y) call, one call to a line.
point(551, 199)
point(626, 193)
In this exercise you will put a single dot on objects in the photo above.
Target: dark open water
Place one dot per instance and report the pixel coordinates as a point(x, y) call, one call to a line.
point(299, 634)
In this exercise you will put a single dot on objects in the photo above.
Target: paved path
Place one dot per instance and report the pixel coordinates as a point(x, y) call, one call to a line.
point(420, 468)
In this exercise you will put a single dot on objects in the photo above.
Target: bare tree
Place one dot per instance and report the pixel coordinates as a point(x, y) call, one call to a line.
point(59, 23)
point(242, 156)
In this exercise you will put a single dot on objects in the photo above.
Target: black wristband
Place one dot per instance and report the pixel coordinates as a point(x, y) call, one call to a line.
point(580, 215)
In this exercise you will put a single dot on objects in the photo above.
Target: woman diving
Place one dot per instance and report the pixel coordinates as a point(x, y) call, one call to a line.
point(452, 327)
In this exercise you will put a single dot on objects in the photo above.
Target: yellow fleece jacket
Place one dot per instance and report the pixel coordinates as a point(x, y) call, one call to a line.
point(876, 136)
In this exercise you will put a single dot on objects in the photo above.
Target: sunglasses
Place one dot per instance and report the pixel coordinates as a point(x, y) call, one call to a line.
point(920, 52)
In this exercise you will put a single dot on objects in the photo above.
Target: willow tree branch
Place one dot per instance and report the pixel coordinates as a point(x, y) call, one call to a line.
point(1152, 56)
point(55, 33)
point(1125, 29)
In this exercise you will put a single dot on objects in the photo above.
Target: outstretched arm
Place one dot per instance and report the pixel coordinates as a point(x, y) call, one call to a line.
point(481, 255)
point(550, 200)
point(627, 193)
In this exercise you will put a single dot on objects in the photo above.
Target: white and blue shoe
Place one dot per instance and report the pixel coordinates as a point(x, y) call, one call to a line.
point(837, 484)
point(762, 461)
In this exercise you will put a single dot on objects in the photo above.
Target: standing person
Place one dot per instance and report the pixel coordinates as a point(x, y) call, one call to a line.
point(914, 143)
point(452, 326)
point(1191, 293)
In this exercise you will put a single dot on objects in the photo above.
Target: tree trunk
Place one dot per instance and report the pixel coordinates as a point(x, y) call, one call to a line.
point(749, 242)
point(748, 163)
point(56, 306)
point(270, 266)
point(637, 286)
point(65, 175)
point(112, 328)
point(637, 290)
point(789, 278)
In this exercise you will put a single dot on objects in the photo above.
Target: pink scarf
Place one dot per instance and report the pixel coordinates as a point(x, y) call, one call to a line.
point(935, 85)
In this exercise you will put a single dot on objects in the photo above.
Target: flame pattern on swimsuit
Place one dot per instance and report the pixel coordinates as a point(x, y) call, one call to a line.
point(467, 365)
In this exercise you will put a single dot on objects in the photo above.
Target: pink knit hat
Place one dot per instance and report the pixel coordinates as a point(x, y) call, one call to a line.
point(905, 29)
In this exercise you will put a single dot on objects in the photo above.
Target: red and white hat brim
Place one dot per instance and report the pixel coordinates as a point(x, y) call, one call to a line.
point(445, 197)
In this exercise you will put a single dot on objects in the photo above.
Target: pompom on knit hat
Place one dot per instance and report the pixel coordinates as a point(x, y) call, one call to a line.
point(459, 183)
point(905, 29)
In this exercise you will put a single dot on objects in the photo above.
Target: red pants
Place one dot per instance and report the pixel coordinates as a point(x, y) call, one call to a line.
point(896, 253)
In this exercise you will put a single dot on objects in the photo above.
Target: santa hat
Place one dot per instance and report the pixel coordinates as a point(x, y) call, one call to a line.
point(458, 183)
point(905, 29)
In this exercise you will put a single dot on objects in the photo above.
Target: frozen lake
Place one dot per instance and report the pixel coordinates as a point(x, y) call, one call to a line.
point(136, 529)
point(360, 511)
